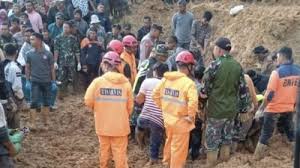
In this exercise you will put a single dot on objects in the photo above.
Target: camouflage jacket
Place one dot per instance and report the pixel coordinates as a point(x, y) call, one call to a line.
point(7, 39)
point(68, 49)
point(226, 89)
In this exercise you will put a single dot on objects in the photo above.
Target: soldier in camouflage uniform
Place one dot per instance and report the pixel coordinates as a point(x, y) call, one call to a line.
point(226, 92)
point(66, 55)
point(266, 60)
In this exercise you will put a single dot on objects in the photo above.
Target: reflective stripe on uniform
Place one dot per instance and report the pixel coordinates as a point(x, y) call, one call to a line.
point(176, 101)
point(99, 99)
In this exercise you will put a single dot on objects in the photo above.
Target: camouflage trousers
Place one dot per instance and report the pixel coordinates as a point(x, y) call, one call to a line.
point(66, 75)
point(218, 132)
point(241, 130)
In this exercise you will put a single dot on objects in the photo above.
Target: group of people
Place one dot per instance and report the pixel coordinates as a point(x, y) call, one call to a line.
point(139, 85)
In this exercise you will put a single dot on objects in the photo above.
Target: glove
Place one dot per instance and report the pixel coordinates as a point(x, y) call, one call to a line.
point(78, 67)
point(244, 117)
point(28, 85)
point(55, 66)
point(53, 86)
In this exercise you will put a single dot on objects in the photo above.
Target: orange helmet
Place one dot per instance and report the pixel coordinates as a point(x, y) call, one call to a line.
point(112, 58)
point(129, 41)
point(185, 57)
point(116, 45)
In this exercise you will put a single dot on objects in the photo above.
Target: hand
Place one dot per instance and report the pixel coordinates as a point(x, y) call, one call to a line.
point(53, 86)
point(55, 66)
point(78, 67)
point(28, 85)
point(84, 68)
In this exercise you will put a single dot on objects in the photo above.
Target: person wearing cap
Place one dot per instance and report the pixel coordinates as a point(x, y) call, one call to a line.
point(104, 19)
point(96, 23)
point(24, 19)
point(201, 33)
point(110, 98)
point(266, 60)
point(176, 95)
point(226, 96)
point(148, 42)
point(279, 101)
point(56, 28)
point(34, 17)
point(40, 79)
point(143, 31)
point(151, 117)
point(160, 55)
point(59, 7)
point(182, 25)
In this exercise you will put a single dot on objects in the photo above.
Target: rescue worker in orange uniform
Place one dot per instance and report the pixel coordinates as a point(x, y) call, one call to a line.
point(130, 47)
point(177, 96)
point(117, 46)
point(280, 100)
point(110, 97)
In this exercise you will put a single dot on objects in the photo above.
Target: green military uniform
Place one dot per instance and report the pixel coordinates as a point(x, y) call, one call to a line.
point(68, 50)
point(226, 89)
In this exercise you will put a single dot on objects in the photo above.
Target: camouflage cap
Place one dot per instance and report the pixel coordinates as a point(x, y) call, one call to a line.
point(161, 49)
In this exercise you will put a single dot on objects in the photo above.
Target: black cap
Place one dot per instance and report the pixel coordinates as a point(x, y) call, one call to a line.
point(157, 27)
point(224, 43)
point(260, 50)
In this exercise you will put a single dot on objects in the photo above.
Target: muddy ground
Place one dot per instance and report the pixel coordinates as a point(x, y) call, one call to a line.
point(71, 143)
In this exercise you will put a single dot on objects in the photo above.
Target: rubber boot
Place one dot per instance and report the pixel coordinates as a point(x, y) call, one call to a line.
point(211, 160)
point(260, 151)
point(45, 117)
point(32, 119)
point(234, 147)
point(225, 153)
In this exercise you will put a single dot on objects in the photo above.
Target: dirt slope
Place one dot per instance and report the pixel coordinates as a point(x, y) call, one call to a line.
point(272, 25)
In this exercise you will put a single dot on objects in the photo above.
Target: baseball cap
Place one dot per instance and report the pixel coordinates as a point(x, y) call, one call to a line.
point(161, 49)
point(224, 43)
point(59, 15)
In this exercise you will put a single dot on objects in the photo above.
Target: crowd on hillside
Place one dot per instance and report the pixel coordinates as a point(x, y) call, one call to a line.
point(138, 85)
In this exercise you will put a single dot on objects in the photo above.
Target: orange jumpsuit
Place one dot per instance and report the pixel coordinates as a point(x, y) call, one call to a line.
point(177, 96)
point(110, 97)
point(130, 59)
